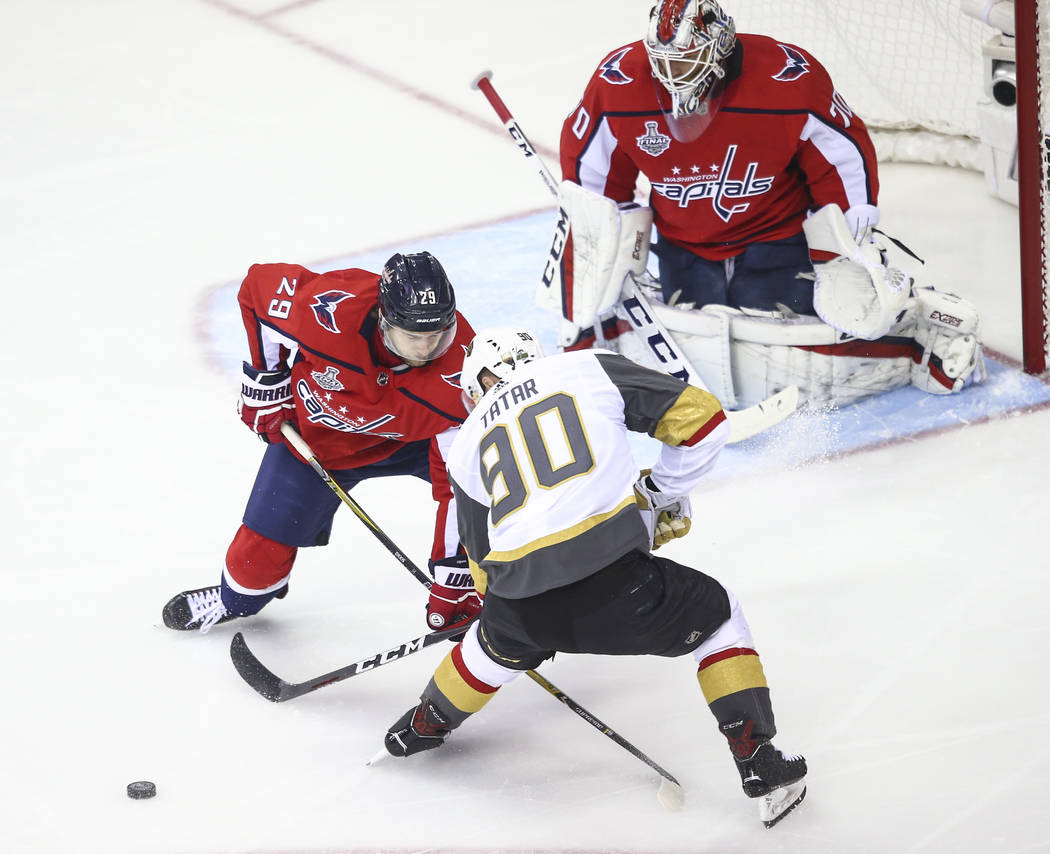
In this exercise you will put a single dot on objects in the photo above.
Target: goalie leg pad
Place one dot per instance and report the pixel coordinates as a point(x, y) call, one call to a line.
point(596, 244)
point(948, 332)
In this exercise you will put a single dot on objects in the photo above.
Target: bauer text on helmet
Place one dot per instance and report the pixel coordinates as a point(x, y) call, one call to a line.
point(417, 308)
point(495, 353)
point(688, 43)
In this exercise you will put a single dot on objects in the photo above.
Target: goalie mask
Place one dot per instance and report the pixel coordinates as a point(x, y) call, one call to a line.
point(499, 350)
point(688, 44)
point(417, 308)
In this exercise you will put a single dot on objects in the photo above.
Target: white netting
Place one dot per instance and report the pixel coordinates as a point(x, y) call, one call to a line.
point(903, 65)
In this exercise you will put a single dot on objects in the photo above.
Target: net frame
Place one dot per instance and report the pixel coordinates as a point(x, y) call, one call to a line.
point(918, 93)
point(1032, 23)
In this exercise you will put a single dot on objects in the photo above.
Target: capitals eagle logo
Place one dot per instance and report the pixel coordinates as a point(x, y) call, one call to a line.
point(324, 308)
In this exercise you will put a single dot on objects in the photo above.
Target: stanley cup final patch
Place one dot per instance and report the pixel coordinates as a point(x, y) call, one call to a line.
point(329, 380)
point(652, 142)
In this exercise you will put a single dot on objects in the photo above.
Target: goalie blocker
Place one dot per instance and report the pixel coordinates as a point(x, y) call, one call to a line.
point(875, 330)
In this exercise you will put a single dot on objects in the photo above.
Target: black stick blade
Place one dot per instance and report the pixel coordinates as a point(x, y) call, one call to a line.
point(253, 672)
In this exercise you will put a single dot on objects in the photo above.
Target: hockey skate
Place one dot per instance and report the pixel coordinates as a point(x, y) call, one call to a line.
point(777, 779)
point(420, 728)
point(196, 609)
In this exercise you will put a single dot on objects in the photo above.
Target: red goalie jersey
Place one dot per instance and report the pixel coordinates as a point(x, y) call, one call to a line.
point(782, 142)
point(355, 402)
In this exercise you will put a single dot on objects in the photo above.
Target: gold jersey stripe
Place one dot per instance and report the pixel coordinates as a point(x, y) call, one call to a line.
point(560, 536)
point(691, 411)
point(457, 690)
point(731, 675)
point(481, 578)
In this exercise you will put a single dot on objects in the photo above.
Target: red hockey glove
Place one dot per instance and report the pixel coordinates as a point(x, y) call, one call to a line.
point(453, 599)
point(266, 401)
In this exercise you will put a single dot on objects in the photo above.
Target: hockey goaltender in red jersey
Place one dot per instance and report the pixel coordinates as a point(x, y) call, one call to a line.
point(559, 527)
point(740, 136)
point(366, 366)
point(764, 196)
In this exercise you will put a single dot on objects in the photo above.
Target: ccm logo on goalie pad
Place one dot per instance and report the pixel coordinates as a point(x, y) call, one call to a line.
point(561, 234)
point(656, 341)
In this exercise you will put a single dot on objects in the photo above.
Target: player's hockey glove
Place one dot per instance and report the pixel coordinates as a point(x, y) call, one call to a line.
point(266, 401)
point(666, 516)
point(453, 599)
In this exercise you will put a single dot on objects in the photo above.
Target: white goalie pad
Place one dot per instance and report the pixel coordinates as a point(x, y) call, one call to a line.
point(597, 242)
point(948, 330)
point(744, 358)
point(857, 292)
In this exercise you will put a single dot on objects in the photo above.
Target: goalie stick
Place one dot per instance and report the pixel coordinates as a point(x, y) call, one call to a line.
point(670, 792)
point(743, 423)
point(277, 690)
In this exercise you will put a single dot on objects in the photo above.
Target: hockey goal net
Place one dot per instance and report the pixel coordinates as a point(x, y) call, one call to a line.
point(916, 70)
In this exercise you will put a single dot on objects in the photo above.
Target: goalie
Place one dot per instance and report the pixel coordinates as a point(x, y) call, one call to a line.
point(764, 194)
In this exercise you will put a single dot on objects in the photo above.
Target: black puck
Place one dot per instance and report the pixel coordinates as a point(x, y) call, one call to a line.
point(141, 789)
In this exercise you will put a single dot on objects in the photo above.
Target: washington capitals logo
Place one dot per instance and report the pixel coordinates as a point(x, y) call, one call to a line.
point(611, 72)
point(453, 379)
point(324, 308)
point(797, 65)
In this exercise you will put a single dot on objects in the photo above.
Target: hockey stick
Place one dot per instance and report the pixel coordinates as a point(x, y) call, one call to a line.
point(670, 793)
point(306, 452)
point(274, 688)
point(743, 423)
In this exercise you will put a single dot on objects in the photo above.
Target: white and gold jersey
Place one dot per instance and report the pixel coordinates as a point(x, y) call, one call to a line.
point(544, 476)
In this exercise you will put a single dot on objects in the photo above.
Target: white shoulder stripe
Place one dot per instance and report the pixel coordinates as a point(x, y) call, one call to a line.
point(842, 153)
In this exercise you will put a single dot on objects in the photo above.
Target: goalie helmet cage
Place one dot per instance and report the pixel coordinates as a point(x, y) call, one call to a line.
point(914, 70)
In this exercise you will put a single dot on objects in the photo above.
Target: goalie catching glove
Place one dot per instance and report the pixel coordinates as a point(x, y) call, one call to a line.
point(856, 290)
point(666, 517)
point(453, 599)
point(266, 401)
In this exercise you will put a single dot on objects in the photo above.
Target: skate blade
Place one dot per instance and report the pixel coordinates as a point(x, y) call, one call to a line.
point(778, 803)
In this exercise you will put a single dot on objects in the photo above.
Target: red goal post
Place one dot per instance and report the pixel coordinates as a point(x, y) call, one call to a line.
point(1033, 162)
point(916, 71)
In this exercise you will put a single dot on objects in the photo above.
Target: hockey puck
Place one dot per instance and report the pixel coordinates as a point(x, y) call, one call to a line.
point(141, 789)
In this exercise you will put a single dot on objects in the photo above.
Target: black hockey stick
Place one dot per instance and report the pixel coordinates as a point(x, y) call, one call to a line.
point(306, 452)
point(670, 794)
point(274, 688)
point(743, 423)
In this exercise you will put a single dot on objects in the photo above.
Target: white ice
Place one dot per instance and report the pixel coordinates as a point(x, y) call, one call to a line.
point(150, 152)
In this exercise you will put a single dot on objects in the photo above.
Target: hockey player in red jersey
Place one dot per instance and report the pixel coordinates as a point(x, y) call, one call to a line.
point(366, 367)
point(559, 528)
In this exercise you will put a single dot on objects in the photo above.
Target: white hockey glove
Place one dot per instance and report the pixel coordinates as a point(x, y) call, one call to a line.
point(667, 517)
point(856, 291)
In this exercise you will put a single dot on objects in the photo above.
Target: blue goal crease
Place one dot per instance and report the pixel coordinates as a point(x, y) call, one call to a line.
point(495, 270)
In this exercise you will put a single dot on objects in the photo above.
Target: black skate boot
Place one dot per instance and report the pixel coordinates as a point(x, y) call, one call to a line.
point(196, 609)
point(420, 728)
point(778, 778)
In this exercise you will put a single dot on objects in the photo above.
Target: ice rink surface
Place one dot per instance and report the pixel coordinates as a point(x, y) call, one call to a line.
point(150, 153)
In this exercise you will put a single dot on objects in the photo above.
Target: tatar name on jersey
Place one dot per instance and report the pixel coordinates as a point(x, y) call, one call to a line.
point(739, 181)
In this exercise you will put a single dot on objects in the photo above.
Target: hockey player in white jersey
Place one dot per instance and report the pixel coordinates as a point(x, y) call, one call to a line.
point(559, 529)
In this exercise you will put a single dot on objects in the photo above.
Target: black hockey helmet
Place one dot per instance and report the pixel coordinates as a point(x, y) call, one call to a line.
point(417, 307)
